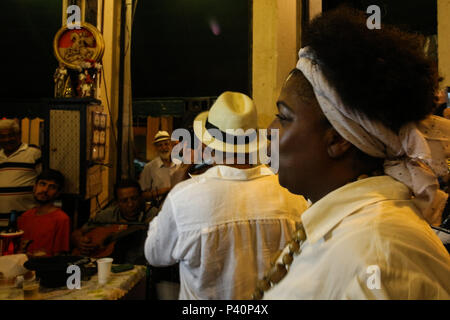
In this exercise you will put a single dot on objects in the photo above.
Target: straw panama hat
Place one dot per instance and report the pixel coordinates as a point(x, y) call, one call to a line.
point(161, 136)
point(231, 111)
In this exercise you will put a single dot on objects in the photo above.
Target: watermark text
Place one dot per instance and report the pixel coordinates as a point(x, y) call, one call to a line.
point(374, 20)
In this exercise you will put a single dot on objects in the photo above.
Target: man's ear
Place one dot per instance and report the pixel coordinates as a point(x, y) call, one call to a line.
point(336, 145)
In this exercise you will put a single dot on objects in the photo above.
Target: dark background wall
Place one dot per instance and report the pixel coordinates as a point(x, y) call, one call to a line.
point(409, 15)
point(174, 50)
point(190, 48)
point(27, 63)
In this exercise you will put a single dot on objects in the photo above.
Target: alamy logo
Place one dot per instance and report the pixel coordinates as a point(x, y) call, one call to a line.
point(73, 21)
point(74, 280)
point(374, 280)
point(374, 21)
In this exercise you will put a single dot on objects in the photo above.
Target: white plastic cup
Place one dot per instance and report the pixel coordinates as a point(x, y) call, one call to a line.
point(104, 269)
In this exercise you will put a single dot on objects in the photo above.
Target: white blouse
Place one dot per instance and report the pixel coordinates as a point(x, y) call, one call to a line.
point(367, 240)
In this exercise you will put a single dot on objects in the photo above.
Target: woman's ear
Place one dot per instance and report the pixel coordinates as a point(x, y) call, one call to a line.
point(336, 145)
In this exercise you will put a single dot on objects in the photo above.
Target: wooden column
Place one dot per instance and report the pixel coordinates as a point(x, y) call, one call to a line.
point(276, 33)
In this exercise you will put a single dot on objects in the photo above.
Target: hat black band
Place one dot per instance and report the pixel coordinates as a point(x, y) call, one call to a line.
point(161, 139)
point(229, 138)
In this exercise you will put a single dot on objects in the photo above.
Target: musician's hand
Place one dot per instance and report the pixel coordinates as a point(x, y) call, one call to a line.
point(148, 195)
point(23, 246)
point(155, 194)
point(86, 246)
point(446, 113)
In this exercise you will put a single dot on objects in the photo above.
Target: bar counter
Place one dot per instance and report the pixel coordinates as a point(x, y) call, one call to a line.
point(117, 287)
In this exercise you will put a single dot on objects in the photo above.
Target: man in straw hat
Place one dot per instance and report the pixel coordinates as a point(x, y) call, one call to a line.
point(357, 138)
point(155, 179)
point(226, 225)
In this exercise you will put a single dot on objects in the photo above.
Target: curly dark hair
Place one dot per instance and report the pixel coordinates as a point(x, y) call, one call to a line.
point(382, 73)
point(52, 175)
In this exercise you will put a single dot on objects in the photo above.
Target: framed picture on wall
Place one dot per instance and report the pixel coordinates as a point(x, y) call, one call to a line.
point(73, 46)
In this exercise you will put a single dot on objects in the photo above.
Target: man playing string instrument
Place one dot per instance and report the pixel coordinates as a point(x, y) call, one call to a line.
point(128, 213)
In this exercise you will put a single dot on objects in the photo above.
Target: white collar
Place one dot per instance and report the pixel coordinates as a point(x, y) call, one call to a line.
point(231, 173)
point(326, 213)
point(22, 147)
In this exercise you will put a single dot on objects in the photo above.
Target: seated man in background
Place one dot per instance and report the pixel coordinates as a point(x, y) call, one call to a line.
point(155, 178)
point(19, 166)
point(46, 226)
point(124, 224)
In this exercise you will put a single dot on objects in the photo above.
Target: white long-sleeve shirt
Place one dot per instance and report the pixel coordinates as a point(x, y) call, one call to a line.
point(224, 227)
point(367, 240)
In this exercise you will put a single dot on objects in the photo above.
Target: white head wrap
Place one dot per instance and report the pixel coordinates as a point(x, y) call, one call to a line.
point(415, 156)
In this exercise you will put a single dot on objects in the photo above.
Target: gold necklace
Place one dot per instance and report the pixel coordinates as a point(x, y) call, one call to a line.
point(279, 270)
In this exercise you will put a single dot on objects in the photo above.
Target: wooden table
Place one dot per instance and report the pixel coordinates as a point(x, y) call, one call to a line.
point(117, 287)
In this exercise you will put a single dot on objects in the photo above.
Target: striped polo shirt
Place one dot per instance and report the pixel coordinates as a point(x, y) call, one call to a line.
point(18, 173)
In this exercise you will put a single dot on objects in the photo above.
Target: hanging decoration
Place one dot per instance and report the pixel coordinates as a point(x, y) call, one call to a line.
point(78, 52)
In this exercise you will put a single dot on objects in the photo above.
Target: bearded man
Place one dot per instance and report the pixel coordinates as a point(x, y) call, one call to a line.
point(155, 178)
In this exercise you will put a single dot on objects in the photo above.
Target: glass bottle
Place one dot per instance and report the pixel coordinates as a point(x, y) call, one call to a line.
point(12, 223)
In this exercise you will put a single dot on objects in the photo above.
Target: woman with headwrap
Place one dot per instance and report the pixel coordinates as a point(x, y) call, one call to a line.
point(358, 139)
